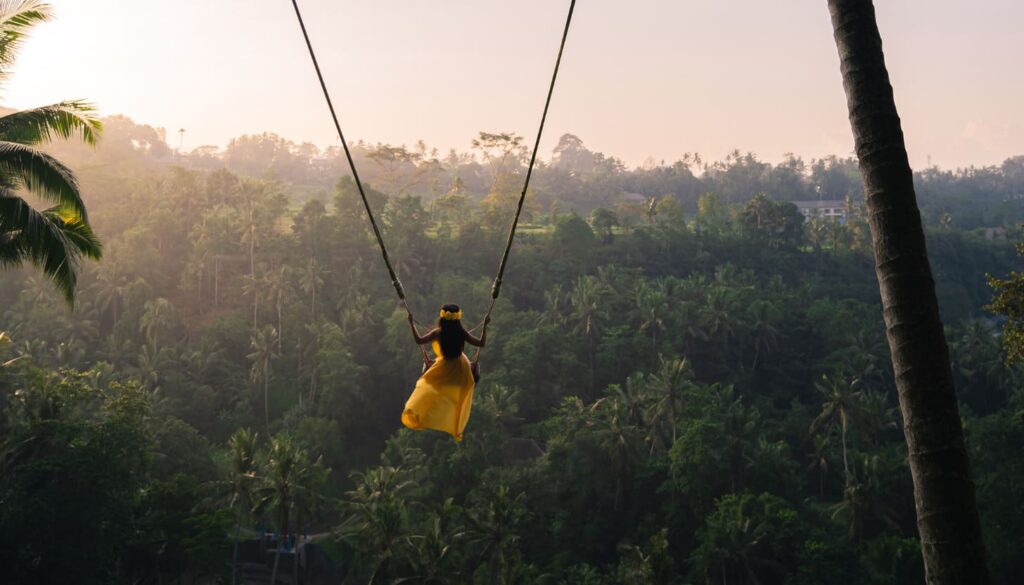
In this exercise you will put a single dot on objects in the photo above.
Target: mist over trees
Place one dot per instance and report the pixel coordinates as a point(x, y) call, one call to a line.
point(574, 177)
point(686, 381)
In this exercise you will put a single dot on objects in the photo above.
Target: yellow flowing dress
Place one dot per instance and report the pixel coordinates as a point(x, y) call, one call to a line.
point(443, 396)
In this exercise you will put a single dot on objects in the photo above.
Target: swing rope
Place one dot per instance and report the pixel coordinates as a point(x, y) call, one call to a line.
point(496, 287)
point(351, 164)
point(397, 284)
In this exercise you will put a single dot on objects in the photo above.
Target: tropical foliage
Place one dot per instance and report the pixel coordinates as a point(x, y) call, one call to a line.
point(56, 238)
point(689, 385)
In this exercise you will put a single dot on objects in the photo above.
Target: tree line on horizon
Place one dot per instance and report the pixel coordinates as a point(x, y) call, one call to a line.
point(572, 178)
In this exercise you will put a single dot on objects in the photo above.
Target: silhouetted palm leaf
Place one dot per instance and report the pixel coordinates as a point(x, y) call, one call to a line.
point(42, 175)
point(17, 17)
point(55, 240)
point(62, 120)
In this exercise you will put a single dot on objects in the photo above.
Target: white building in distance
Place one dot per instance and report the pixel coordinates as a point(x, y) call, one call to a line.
point(834, 210)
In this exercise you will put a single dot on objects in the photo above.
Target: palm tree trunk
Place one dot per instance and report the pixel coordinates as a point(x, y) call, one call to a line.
point(280, 324)
point(618, 492)
point(590, 353)
point(295, 551)
point(313, 373)
point(846, 465)
point(216, 281)
point(277, 559)
point(266, 395)
point(252, 265)
point(947, 515)
point(280, 542)
point(234, 553)
point(252, 244)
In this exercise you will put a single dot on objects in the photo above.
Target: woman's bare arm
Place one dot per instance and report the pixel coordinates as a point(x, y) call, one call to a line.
point(482, 340)
point(422, 339)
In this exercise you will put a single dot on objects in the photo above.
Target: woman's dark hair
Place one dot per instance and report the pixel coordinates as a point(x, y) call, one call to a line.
point(453, 334)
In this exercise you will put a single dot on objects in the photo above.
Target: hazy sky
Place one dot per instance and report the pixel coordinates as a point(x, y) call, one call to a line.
point(640, 78)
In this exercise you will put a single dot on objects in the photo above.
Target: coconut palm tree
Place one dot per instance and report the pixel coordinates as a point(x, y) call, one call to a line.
point(668, 384)
point(502, 402)
point(492, 529)
point(757, 210)
point(36, 293)
point(74, 336)
point(947, 513)
point(157, 320)
point(288, 478)
point(978, 366)
point(203, 362)
point(820, 461)
point(585, 302)
point(278, 290)
point(876, 415)
point(691, 327)
point(241, 482)
point(647, 565)
point(866, 357)
point(864, 499)
point(151, 365)
point(733, 542)
point(262, 355)
point(739, 431)
point(816, 232)
point(618, 432)
point(375, 516)
point(762, 317)
point(719, 313)
point(308, 346)
point(588, 316)
point(310, 281)
point(650, 304)
point(432, 550)
point(252, 287)
point(307, 500)
point(57, 238)
point(839, 408)
point(111, 289)
point(556, 306)
point(248, 225)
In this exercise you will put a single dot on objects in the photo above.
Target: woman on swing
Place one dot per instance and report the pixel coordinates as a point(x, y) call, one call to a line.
point(444, 393)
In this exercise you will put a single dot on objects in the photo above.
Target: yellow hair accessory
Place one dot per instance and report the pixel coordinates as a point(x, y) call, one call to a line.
point(450, 316)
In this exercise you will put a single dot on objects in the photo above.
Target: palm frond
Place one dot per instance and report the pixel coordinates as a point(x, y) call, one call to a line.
point(55, 240)
point(77, 232)
point(17, 18)
point(61, 120)
point(42, 175)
